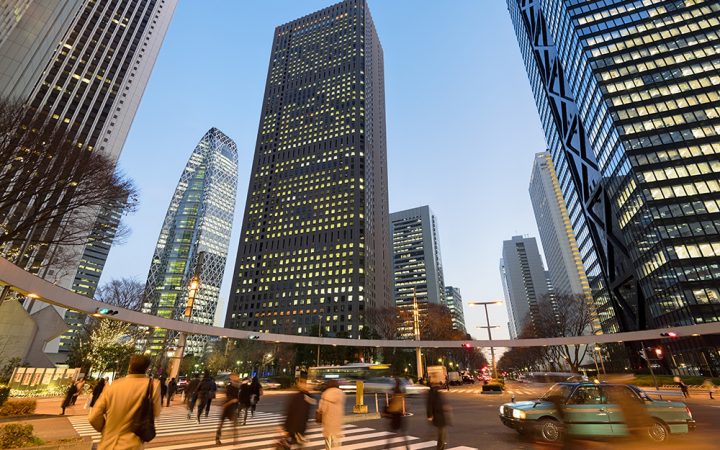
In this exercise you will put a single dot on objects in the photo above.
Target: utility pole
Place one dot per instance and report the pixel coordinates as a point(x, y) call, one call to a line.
point(416, 329)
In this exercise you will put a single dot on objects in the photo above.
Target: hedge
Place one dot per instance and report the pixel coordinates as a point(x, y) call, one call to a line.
point(18, 407)
point(17, 435)
point(4, 393)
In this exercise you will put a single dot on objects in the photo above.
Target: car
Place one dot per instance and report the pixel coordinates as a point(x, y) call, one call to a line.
point(181, 383)
point(589, 413)
point(267, 384)
point(387, 384)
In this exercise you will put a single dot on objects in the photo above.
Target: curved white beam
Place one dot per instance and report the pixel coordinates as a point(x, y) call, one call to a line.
point(29, 284)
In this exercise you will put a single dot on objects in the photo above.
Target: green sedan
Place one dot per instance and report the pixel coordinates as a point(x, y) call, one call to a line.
point(594, 410)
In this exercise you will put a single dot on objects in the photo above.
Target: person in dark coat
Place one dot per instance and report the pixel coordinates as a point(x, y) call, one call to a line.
point(191, 394)
point(255, 393)
point(69, 394)
point(245, 399)
point(79, 385)
point(204, 391)
point(438, 412)
point(213, 393)
point(229, 408)
point(297, 413)
point(97, 390)
point(163, 388)
point(172, 389)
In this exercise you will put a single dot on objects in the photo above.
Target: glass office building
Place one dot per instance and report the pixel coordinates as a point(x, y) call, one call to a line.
point(315, 245)
point(629, 96)
point(194, 241)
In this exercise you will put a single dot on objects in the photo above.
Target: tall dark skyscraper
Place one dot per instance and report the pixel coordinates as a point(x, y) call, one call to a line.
point(629, 97)
point(315, 245)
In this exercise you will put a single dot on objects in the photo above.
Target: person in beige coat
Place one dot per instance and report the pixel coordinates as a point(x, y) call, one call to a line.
point(113, 412)
point(332, 408)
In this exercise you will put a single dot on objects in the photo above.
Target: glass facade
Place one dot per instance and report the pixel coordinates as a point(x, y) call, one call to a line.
point(417, 263)
point(637, 135)
point(453, 299)
point(314, 248)
point(194, 240)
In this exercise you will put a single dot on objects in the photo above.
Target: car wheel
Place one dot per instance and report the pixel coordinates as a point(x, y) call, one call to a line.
point(549, 430)
point(658, 432)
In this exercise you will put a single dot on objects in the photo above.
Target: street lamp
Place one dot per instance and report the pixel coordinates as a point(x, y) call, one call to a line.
point(488, 327)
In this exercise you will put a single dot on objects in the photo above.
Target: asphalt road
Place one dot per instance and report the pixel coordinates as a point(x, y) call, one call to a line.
point(475, 425)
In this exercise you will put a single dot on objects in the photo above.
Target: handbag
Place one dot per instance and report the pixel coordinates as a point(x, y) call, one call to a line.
point(143, 424)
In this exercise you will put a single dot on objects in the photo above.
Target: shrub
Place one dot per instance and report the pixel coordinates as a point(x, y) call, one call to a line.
point(18, 407)
point(16, 435)
point(4, 393)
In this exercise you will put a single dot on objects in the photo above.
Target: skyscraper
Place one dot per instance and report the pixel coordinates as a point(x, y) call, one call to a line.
point(417, 263)
point(565, 267)
point(314, 246)
point(453, 299)
point(81, 66)
point(194, 240)
point(628, 97)
point(525, 282)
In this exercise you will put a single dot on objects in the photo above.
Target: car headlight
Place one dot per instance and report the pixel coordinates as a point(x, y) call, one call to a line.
point(502, 410)
point(517, 414)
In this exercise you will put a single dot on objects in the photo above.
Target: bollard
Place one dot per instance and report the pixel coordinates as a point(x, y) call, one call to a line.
point(512, 397)
point(360, 406)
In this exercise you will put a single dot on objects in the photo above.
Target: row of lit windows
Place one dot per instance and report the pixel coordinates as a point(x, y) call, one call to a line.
point(704, 250)
point(670, 173)
point(684, 190)
point(676, 136)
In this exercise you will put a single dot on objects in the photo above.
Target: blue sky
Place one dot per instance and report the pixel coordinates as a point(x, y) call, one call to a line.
point(461, 124)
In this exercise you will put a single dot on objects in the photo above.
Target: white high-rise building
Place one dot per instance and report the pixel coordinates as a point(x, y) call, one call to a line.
point(565, 266)
point(524, 279)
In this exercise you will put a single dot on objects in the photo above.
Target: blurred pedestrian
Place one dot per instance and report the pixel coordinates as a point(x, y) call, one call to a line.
point(120, 402)
point(69, 394)
point(683, 387)
point(204, 391)
point(331, 411)
point(244, 398)
point(394, 412)
point(297, 413)
point(80, 385)
point(438, 413)
point(97, 390)
point(255, 392)
point(230, 407)
point(172, 389)
point(163, 389)
point(191, 394)
point(635, 415)
point(710, 386)
point(211, 397)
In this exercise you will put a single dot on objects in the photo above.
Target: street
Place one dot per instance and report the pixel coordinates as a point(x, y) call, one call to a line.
point(475, 425)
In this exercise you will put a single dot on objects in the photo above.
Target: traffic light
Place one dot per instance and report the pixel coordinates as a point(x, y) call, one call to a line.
point(669, 334)
point(467, 346)
point(106, 311)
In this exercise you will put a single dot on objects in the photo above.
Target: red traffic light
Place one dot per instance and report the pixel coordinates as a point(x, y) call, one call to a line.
point(467, 345)
point(669, 334)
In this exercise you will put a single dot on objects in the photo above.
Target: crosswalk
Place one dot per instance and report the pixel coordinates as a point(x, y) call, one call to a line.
point(174, 422)
point(261, 433)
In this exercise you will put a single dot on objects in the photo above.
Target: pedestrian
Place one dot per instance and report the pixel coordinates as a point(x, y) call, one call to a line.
point(230, 407)
point(394, 412)
point(191, 394)
point(447, 383)
point(331, 411)
point(203, 393)
point(255, 392)
point(116, 408)
point(213, 393)
point(163, 389)
point(297, 413)
point(97, 390)
point(80, 384)
point(438, 412)
point(172, 388)
point(683, 387)
point(69, 394)
point(635, 414)
point(244, 398)
point(710, 386)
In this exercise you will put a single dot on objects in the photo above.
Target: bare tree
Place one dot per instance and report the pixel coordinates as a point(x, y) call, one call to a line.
point(565, 316)
point(123, 292)
point(383, 321)
point(51, 187)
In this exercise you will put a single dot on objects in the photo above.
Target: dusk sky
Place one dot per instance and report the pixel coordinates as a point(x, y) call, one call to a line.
point(461, 124)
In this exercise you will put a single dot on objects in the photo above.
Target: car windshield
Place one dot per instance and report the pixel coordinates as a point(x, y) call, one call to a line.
point(558, 391)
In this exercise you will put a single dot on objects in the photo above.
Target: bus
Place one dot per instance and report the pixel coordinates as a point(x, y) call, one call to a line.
point(346, 375)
